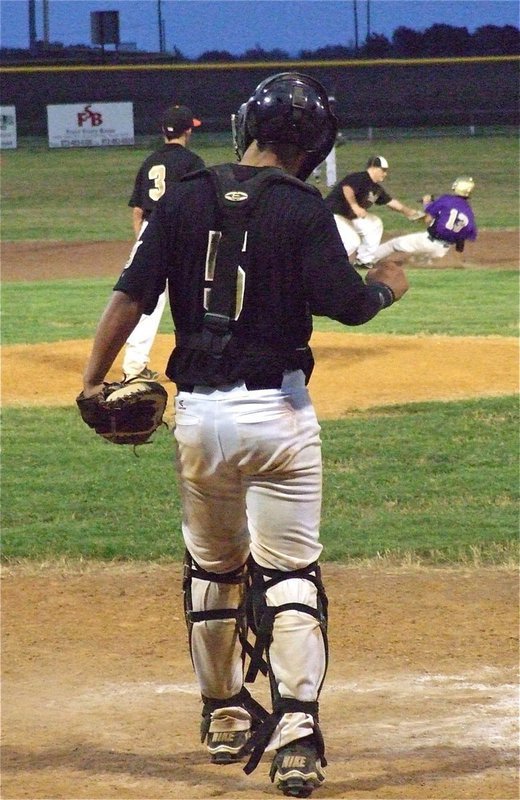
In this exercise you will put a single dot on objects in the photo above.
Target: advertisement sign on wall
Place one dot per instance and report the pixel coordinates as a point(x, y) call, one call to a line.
point(8, 126)
point(90, 124)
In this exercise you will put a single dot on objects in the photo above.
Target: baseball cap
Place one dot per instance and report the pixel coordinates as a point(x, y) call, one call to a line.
point(178, 119)
point(377, 161)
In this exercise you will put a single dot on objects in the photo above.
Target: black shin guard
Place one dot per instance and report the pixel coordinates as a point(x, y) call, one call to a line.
point(261, 620)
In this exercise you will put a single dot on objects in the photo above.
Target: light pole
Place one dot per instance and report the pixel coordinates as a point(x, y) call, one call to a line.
point(32, 24)
point(356, 38)
point(160, 22)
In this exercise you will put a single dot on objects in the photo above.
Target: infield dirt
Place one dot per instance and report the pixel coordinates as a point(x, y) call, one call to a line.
point(421, 699)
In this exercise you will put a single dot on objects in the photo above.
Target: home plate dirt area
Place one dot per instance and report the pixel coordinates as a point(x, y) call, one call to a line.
point(421, 698)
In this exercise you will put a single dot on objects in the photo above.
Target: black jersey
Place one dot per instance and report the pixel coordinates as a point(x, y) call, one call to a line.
point(366, 191)
point(296, 267)
point(163, 167)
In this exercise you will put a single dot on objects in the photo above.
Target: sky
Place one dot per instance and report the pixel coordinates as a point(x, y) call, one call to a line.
point(194, 26)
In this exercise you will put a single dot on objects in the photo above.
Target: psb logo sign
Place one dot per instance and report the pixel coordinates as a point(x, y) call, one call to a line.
point(90, 124)
point(87, 115)
point(94, 117)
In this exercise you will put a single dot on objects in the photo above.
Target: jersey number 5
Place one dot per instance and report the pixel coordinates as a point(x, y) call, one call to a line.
point(214, 238)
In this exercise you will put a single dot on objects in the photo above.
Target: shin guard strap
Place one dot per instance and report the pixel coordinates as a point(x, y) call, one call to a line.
point(243, 699)
point(258, 742)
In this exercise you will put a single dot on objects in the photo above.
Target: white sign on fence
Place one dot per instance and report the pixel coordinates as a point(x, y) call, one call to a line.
point(90, 124)
point(8, 126)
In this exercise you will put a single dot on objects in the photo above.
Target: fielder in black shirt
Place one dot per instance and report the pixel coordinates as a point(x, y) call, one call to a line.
point(350, 201)
point(158, 171)
point(250, 253)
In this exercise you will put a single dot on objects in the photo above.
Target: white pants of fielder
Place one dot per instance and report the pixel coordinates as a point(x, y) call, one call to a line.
point(413, 244)
point(250, 471)
point(139, 343)
point(362, 234)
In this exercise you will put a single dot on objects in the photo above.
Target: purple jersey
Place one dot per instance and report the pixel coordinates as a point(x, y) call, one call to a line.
point(453, 219)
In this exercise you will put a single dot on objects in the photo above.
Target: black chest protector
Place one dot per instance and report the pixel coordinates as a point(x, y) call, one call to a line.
point(226, 264)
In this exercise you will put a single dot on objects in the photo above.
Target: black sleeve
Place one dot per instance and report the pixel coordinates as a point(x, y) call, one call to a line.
point(197, 163)
point(383, 198)
point(144, 276)
point(333, 287)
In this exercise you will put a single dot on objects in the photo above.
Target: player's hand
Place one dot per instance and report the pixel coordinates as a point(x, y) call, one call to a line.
point(413, 214)
point(92, 389)
point(392, 274)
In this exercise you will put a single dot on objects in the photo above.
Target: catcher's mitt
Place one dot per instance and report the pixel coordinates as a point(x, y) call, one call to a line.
point(125, 413)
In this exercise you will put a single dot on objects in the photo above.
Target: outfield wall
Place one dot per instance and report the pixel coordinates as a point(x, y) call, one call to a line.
point(389, 92)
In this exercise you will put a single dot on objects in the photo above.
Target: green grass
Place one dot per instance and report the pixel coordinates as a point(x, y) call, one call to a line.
point(74, 195)
point(454, 302)
point(437, 481)
point(82, 194)
point(433, 482)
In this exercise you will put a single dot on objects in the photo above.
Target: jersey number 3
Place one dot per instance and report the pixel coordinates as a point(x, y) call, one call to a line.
point(157, 174)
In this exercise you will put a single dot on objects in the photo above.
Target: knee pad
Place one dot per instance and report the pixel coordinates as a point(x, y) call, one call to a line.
point(260, 616)
point(237, 577)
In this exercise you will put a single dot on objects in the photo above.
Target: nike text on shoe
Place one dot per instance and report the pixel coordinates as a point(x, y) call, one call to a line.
point(225, 746)
point(296, 768)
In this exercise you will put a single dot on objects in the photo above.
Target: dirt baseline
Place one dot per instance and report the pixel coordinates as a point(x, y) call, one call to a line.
point(99, 699)
point(421, 700)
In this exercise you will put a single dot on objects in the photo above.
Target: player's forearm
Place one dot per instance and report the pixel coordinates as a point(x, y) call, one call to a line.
point(396, 205)
point(406, 211)
point(117, 322)
point(137, 220)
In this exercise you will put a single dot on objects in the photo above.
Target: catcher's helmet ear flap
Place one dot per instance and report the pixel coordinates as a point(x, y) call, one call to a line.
point(463, 186)
point(291, 108)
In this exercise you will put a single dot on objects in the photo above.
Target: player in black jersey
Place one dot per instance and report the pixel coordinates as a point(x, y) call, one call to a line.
point(350, 201)
point(158, 171)
point(250, 252)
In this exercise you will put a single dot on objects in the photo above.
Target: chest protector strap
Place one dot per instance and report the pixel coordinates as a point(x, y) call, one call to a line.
point(237, 201)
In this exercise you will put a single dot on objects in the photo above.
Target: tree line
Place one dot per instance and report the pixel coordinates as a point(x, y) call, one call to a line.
point(437, 40)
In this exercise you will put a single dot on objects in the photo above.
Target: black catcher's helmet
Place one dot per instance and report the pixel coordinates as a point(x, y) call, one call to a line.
point(288, 107)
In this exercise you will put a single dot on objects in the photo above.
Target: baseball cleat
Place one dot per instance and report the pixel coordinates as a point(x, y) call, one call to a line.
point(225, 746)
point(145, 375)
point(362, 265)
point(296, 768)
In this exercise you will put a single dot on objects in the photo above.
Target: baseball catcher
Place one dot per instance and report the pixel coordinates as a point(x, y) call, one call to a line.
point(125, 413)
point(249, 253)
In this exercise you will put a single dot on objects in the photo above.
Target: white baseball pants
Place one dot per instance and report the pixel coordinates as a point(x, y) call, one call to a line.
point(250, 473)
point(414, 244)
point(361, 234)
point(139, 343)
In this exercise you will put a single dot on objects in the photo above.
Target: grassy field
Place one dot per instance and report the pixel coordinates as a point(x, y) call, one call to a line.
point(458, 303)
point(433, 482)
point(82, 194)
